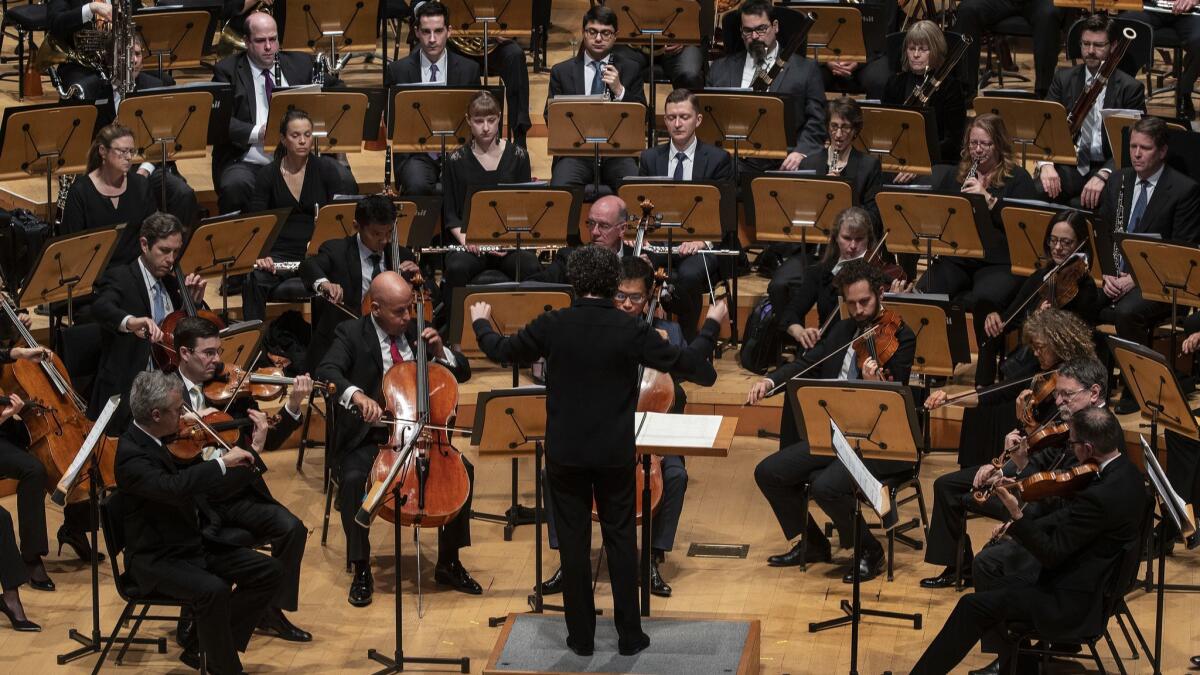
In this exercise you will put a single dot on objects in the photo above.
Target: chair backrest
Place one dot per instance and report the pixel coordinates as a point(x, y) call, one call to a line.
point(1125, 575)
point(1136, 59)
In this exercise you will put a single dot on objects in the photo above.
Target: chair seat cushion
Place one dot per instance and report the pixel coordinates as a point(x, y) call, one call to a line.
point(28, 17)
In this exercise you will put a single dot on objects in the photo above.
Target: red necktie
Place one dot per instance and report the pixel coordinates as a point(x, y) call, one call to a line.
point(396, 357)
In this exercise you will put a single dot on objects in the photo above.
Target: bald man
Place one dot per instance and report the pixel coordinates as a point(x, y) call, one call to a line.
point(362, 351)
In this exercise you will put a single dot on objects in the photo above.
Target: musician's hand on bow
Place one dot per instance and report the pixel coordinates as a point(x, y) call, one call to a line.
point(434, 339)
point(612, 78)
point(258, 437)
point(14, 406)
point(1116, 287)
point(35, 354)
point(481, 310)
point(368, 409)
point(1009, 500)
point(807, 337)
point(237, 457)
point(265, 264)
point(409, 267)
point(936, 399)
point(1051, 181)
point(301, 389)
point(333, 292)
point(101, 10)
point(196, 285)
point(1183, 6)
point(145, 326)
point(1090, 197)
point(1190, 343)
point(993, 325)
point(759, 390)
point(792, 161)
point(690, 247)
point(904, 178)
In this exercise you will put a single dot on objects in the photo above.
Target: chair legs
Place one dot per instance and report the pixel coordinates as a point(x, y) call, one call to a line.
point(112, 637)
point(132, 633)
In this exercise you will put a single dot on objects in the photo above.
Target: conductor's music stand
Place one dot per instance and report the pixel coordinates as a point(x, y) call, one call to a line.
point(1039, 124)
point(1165, 272)
point(1025, 225)
point(837, 32)
point(784, 209)
point(229, 245)
point(51, 139)
point(174, 39)
point(672, 21)
point(581, 126)
point(900, 137)
point(67, 267)
point(485, 18)
point(167, 127)
point(1106, 6)
point(520, 216)
point(349, 25)
point(337, 116)
point(930, 223)
point(745, 124)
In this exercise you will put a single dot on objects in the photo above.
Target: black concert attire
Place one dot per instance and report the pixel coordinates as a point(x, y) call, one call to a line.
point(357, 361)
point(783, 476)
point(815, 287)
point(86, 208)
point(1187, 27)
point(418, 173)
point(1077, 546)
point(507, 60)
point(13, 573)
point(947, 103)
point(592, 352)
point(684, 69)
point(65, 17)
point(349, 264)
point(18, 464)
point(578, 76)
point(976, 16)
point(322, 180)
point(173, 547)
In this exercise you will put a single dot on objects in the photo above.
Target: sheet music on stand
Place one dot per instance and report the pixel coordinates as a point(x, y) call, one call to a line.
point(874, 491)
point(683, 431)
point(1180, 511)
point(71, 476)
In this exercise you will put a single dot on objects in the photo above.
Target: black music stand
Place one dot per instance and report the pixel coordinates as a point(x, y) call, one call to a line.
point(1183, 518)
point(230, 245)
point(675, 21)
point(51, 139)
point(931, 223)
point(67, 267)
point(167, 127)
point(586, 125)
point(1164, 271)
point(520, 216)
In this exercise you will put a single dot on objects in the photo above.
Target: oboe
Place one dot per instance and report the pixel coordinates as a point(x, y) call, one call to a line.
point(1119, 225)
point(972, 172)
point(833, 169)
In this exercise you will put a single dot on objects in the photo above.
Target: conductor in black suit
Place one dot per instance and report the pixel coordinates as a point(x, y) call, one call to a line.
point(1093, 154)
point(167, 548)
point(1154, 199)
point(686, 158)
point(131, 302)
point(342, 270)
point(593, 351)
point(362, 352)
point(800, 78)
point(430, 63)
point(1078, 546)
point(597, 71)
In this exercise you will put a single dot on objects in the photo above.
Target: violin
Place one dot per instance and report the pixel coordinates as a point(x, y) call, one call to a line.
point(262, 384)
point(890, 269)
point(1061, 288)
point(881, 343)
point(192, 437)
point(165, 355)
point(1047, 484)
point(1039, 414)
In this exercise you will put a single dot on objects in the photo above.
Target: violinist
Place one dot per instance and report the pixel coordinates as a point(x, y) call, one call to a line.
point(1080, 383)
point(360, 356)
point(923, 52)
point(168, 550)
point(782, 476)
point(1095, 164)
point(590, 428)
point(131, 302)
point(1056, 279)
point(1077, 547)
point(342, 270)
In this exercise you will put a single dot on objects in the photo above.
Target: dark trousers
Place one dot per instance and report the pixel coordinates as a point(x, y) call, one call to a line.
point(1183, 469)
point(356, 468)
point(225, 617)
point(781, 478)
point(13, 572)
point(693, 277)
point(869, 78)
point(975, 16)
point(789, 274)
point(235, 186)
point(566, 171)
point(975, 616)
point(273, 523)
point(30, 475)
point(1072, 184)
point(261, 287)
point(1000, 565)
point(463, 268)
point(181, 198)
point(984, 287)
point(952, 499)
point(685, 69)
point(571, 490)
point(417, 174)
point(1134, 316)
point(1188, 28)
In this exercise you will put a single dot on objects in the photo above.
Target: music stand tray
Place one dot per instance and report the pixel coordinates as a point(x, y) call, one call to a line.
point(229, 245)
point(337, 116)
point(1154, 384)
point(931, 223)
point(787, 209)
point(174, 39)
point(50, 139)
point(941, 330)
point(240, 346)
point(1025, 225)
point(67, 267)
point(1164, 272)
point(431, 119)
point(1037, 124)
point(513, 306)
point(345, 25)
point(597, 128)
point(744, 124)
point(520, 216)
point(900, 137)
point(697, 209)
point(836, 34)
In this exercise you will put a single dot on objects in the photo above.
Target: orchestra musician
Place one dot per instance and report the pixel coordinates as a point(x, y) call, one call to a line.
point(109, 193)
point(1068, 229)
point(922, 53)
point(1080, 383)
point(597, 71)
point(67, 17)
point(361, 353)
point(589, 428)
point(783, 475)
point(342, 270)
point(975, 16)
point(13, 570)
point(167, 550)
point(303, 181)
point(799, 78)
point(606, 221)
point(246, 505)
point(1094, 156)
point(131, 301)
point(687, 158)
point(1152, 198)
point(1078, 547)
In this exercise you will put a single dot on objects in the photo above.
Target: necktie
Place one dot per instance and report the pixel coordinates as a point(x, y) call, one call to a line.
point(269, 85)
point(159, 307)
point(1139, 207)
point(680, 158)
point(197, 398)
point(395, 351)
point(1086, 133)
point(433, 72)
point(597, 79)
point(375, 259)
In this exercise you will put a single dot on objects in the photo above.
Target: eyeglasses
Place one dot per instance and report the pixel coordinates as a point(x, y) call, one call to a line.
point(841, 128)
point(597, 225)
point(1067, 395)
point(635, 298)
point(597, 33)
point(124, 152)
point(1065, 242)
point(756, 30)
point(980, 144)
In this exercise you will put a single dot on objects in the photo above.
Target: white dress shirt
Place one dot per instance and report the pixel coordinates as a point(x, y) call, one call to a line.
point(751, 67)
point(257, 154)
point(589, 73)
point(688, 164)
point(442, 66)
point(385, 348)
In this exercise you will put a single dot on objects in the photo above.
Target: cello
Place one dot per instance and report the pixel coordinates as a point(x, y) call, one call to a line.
point(165, 354)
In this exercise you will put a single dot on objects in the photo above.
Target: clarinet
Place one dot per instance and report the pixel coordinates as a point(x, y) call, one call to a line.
point(1119, 226)
point(833, 160)
point(972, 172)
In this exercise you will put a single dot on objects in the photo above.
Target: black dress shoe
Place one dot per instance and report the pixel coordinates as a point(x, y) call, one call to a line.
point(946, 579)
point(1128, 404)
point(190, 658)
point(46, 584)
point(634, 647)
point(276, 623)
point(992, 668)
point(814, 553)
point(554, 584)
point(869, 567)
point(362, 587)
point(1195, 661)
point(19, 625)
point(581, 650)
point(657, 586)
point(456, 576)
point(77, 542)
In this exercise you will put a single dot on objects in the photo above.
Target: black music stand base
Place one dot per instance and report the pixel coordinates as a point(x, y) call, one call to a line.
point(517, 513)
point(396, 662)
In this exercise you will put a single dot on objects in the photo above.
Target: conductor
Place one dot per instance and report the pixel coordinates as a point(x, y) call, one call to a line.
point(592, 352)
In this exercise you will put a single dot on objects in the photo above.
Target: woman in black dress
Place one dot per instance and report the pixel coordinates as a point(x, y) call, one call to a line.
point(924, 51)
point(296, 179)
point(109, 194)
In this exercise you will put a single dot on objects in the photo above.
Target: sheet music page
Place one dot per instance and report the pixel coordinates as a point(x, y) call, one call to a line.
point(1179, 508)
point(867, 483)
point(89, 443)
point(676, 431)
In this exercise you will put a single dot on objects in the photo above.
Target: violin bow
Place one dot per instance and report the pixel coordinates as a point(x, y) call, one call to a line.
point(329, 301)
point(998, 387)
point(242, 381)
point(774, 390)
point(1037, 291)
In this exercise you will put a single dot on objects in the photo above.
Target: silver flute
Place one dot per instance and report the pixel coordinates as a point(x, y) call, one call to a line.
point(674, 250)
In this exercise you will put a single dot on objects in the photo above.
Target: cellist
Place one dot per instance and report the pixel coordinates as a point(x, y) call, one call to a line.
point(362, 352)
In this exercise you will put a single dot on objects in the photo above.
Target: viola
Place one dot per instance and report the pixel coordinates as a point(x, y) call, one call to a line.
point(882, 343)
point(267, 383)
point(192, 437)
point(1047, 484)
point(166, 356)
point(890, 269)
point(1061, 288)
point(1039, 414)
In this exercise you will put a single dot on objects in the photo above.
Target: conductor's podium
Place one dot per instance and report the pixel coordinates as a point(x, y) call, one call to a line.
point(537, 643)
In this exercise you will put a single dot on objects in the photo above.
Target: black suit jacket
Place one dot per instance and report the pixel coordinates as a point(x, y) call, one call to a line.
point(863, 173)
point(65, 17)
point(121, 292)
point(463, 71)
point(801, 79)
point(236, 70)
point(159, 502)
point(1173, 210)
point(354, 359)
point(1122, 91)
point(337, 260)
point(566, 79)
point(711, 162)
point(592, 352)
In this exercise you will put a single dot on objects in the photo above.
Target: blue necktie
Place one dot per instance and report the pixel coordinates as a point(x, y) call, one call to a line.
point(598, 79)
point(680, 158)
point(1139, 207)
point(160, 308)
